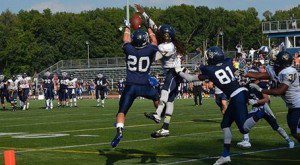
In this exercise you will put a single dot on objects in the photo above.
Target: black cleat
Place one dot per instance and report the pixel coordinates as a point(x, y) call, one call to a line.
point(152, 117)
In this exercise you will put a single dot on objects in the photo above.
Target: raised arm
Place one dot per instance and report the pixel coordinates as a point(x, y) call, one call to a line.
point(149, 21)
point(258, 76)
point(126, 36)
point(152, 36)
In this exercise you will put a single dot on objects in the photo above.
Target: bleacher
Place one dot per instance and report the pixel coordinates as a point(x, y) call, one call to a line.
point(112, 68)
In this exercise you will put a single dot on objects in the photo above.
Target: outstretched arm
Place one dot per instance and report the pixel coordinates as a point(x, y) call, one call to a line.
point(258, 76)
point(126, 36)
point(152, 36)
point(149, 21)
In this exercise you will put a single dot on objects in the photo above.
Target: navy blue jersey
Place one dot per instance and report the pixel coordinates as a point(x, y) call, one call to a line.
point(222, 75)
point(254, 93)
point(138, 63)
point(120, 85)
point(63, 82)
point(48, 82)
point(100, 82)
point(3, 85)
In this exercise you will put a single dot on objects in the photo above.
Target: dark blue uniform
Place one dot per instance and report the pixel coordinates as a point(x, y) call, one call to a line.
point(48, 86)
point(120, 87)
point(3, 91)
point(222, 75)
point(101, 85)
point(138, 62)
point(256, 95)
point(63, 88)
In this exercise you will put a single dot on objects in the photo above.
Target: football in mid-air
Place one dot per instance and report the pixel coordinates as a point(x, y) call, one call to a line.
point(136, 21)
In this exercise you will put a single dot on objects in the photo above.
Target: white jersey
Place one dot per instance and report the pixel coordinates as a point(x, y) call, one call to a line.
point(24, 82)
point(218, 91)
point(167, 52)
point(12, 85)
point(271, 73)
point(290, 77)
point(72, 83)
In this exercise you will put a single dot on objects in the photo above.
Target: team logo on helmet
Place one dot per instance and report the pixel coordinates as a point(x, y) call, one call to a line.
point(285, 57)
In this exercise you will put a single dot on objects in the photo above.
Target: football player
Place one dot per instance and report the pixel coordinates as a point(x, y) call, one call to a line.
point(100, 86)
point(24, 87)
point(221, 99)
point(63, 89)
point(72, 83)
point(120, 87)
point(48, 87)
point(12, 91)
point(3, 91)
point(260, 102)
point(220, 71)
point(139, 55)
point(287, 85)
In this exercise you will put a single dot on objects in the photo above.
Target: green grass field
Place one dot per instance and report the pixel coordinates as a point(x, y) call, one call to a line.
point(84, 135)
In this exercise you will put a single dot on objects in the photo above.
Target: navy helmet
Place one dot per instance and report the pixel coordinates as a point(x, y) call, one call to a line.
point(282, 60)
point(215, 55)
point(139, 39)
point(167, 32)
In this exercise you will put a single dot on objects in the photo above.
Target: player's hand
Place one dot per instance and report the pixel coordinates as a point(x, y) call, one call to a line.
point(178, 69)
point(252, 101)
point(139, 8)
point(255, 86)
point(126, 23)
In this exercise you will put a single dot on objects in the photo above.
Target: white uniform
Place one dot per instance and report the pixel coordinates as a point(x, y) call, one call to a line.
point(167, 54)
point(290, 77)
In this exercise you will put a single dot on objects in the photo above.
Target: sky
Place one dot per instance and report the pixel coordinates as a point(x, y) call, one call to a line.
point(81, 5)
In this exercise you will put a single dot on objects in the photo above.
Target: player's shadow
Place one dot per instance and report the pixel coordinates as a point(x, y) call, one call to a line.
point(206, 121)
point(116, 155)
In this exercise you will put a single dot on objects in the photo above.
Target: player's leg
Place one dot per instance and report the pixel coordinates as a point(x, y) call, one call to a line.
point(74, 97)
point(225, 125)
point(293, 119)
point(102, 96)
point(200, 95)
point(98, 97)
point(195, 93)
point(127, 99)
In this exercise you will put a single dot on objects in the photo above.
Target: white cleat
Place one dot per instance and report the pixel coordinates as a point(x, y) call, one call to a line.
point(223, 160)
point(291, 144)
point(244, 144)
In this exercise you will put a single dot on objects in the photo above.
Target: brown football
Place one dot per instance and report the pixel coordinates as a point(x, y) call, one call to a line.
point(136, 21)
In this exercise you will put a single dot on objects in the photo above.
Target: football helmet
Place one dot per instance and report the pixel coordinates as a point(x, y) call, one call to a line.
point(282, 60)
point(215, 55)
point(139, 39)
point(166, 32)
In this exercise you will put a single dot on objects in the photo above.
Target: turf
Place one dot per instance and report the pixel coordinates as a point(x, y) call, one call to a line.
point(86, 132)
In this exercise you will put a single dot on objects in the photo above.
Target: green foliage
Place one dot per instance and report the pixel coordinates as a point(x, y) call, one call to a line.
point(31, 41)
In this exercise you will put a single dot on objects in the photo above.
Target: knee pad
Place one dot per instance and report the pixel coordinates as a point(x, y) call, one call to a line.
point(164, 96)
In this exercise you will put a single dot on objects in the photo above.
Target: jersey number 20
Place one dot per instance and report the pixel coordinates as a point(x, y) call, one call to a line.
point(135, 64)
point(223, 76)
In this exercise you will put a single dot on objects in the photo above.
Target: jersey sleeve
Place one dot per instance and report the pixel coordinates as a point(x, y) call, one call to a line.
point(127, 47)
point(263, 85)
point(154, 52)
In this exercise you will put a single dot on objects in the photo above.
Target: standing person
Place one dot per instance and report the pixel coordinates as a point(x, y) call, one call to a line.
point(120, 87)
point(139, 56)
point(220, 71)
point(12, 88)
point(63, 89)
point(287, 86)
point(251, 54)
point(3, 91)
point(197, 91)
point(48, 87)
point(100, 84)
point(72, 84)
point(239, 48)
point(24, 87)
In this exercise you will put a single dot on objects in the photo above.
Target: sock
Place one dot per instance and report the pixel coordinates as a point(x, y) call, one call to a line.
point(282, 133)
point(47, 103)
point(166, 122)
point(51, 103)
point(98, 101)
point(27, 106)
point(75, 101)
point(249, 123)
point(102, 101)
point(246, 137)
point(160, 108)
point(227, 141)
point(120, 125)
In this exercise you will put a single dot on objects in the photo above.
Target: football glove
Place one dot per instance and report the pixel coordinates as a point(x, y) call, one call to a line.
point(252, 101)
point(255, 86)
point(127, 23)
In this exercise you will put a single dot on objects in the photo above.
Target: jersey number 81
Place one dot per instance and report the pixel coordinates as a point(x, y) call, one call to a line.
point(136, 64)
point(223, 76)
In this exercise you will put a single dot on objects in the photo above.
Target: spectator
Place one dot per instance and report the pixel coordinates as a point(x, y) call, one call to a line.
point(297, 60)
point(251, 53)
point(239, 48)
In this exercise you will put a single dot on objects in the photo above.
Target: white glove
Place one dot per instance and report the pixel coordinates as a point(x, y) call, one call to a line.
point(252, 101)
point(255, 86)
point(127, 23)
point(177, 65)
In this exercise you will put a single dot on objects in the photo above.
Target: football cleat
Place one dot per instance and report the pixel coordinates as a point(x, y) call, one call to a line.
point(152, 116)
point(291, 144)
point(118, 138)
point(244, 144)
point(223, 160)
point(160, 133)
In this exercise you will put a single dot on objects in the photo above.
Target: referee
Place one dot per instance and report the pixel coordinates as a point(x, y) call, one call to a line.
point(197, 91)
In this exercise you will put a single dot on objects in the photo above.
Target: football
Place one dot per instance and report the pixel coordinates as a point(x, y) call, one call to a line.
point(136, 21)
